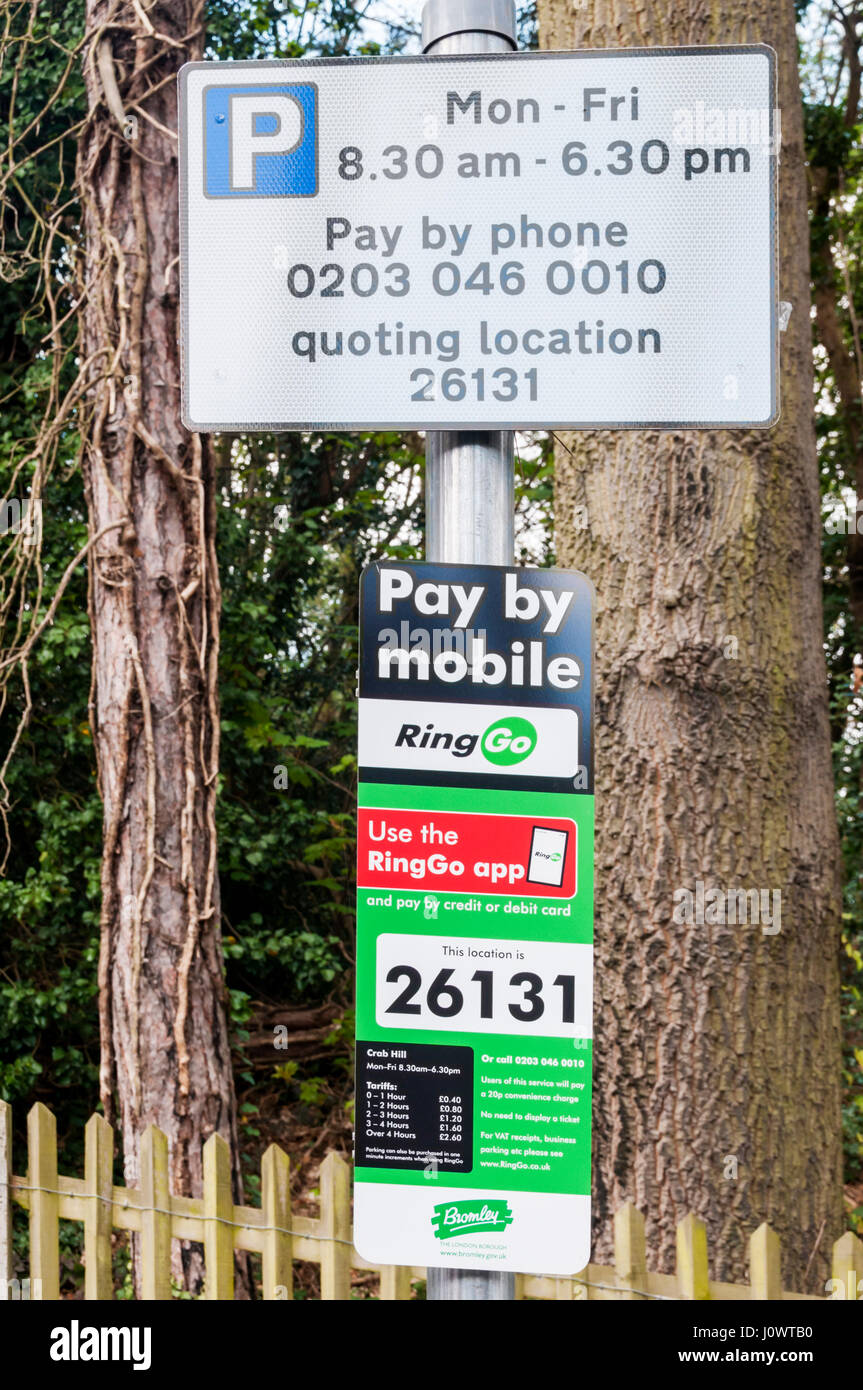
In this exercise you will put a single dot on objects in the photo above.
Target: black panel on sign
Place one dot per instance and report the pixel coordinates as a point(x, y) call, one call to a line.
point(414, 1106)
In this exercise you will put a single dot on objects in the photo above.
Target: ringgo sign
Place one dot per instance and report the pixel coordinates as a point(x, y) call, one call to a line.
point(523, 239)
point(474, 917)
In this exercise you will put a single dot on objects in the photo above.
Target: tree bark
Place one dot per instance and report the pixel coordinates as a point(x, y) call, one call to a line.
point(154, 603)
point(717, 1047)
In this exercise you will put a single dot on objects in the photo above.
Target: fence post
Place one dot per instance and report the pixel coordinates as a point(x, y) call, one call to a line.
point(277, 1265)
point(218, 1220)
point(44, 1203)
point(765, 1264)
point(395, 1282)
point(335, 1227)
point(156, 1217)
point(848, 1263)
point(630, 1256)
point(98, 1181)
point(5, 1201)
point(692, 1276)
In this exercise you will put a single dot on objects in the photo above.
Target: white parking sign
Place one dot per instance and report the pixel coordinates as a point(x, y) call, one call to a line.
point(493, 241)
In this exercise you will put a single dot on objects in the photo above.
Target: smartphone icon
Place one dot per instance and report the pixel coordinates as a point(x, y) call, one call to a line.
point(547, 856)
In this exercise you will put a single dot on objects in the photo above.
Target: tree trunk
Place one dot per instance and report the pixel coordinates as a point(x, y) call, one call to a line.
point(154, 602)
point(717, 1047)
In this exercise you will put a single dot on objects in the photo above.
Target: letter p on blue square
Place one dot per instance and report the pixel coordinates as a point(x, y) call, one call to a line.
point(261, 141)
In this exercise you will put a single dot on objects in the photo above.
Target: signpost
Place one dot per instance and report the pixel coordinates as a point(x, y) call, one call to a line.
point(475, 919)
point(470, 492)
point(472, 242)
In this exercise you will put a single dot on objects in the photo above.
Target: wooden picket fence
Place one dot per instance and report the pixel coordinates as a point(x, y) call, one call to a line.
point(270, 1230)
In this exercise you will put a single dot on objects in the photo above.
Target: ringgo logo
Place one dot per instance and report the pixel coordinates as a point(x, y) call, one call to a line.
point(508, 741)
point(480, 740)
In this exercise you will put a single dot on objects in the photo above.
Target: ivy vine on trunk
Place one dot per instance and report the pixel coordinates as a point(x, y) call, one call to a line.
point(154, 608)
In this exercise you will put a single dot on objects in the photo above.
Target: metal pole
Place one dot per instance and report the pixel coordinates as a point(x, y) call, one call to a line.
point(470, 482)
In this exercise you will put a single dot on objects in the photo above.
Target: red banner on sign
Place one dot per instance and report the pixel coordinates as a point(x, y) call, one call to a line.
point(453, 851)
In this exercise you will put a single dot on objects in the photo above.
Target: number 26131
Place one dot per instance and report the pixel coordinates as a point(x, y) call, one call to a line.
point(455, 384)
point(527, 994)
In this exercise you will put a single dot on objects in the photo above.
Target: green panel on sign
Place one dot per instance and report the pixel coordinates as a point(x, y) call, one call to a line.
point(530, 1091)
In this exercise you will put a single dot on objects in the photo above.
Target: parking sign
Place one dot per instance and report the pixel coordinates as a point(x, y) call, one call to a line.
point(487, 241)
point(260, 141)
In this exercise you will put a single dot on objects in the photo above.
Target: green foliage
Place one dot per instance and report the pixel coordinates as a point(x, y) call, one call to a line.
point(289, 631)
point(322, 28)
point(833, 149)
point(299, 517)
point(49, 897)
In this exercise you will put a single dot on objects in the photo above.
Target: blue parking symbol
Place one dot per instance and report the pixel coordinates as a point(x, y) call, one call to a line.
point(261, 141)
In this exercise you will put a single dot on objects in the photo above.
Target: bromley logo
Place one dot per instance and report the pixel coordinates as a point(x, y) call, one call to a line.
point(458, 1218)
